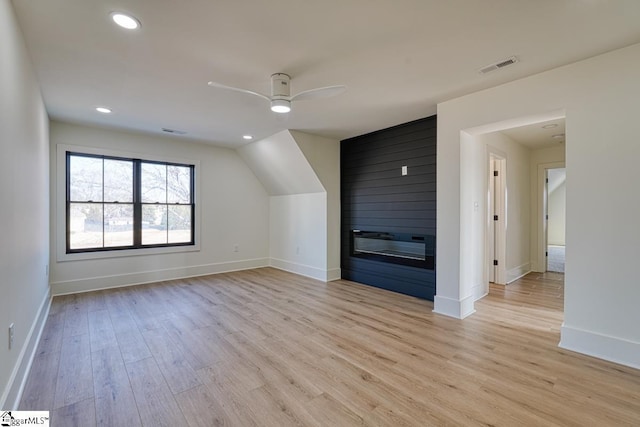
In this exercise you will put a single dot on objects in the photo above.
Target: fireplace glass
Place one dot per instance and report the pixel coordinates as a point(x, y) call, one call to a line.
point(415, 250)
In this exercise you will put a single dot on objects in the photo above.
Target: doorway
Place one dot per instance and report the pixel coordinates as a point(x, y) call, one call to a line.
point(555, 188)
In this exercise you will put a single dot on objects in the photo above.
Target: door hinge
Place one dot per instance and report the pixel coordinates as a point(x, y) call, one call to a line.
point(546, 217)
point(546, 254)
point(547, 180)
point(495, 262)
point(495, 173)
point(495, 217)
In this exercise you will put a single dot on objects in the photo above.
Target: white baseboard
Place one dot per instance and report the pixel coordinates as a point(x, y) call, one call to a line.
point(480, 291)
point(129, 279)
point(453, 307)
point(605, 347)
point(478, 295)
point(306, 270)
point(334, 274)
point(518, 272)
point(537, 267)
point(12, 393)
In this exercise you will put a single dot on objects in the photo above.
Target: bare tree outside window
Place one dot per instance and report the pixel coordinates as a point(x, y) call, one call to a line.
point(101, 203)
point(166, 198)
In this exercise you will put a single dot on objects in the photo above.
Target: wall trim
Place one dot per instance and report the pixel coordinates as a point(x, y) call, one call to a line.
point(15, 386)
point(139, 278)
point(452, 307)
point(613, 349)
point(305, 270)
point(518, 272)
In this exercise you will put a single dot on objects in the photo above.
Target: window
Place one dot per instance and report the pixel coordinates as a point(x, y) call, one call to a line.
point(115, 203)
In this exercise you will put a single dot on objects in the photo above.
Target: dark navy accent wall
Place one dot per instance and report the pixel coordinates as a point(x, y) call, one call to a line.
point(376, 197)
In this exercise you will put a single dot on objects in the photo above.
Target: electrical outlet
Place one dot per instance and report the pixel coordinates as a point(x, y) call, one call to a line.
point(11, 332)
point(297, 250)
point(236, 248)
point(46, 270)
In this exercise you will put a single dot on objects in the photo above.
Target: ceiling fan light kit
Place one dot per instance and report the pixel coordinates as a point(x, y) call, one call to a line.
point(281, 98)
point(280, 93)
point(280, 106)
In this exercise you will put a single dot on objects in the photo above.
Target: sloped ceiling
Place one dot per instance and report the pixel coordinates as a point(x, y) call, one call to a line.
point(281, 166)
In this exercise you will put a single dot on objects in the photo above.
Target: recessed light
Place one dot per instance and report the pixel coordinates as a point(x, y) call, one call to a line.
point(550, 126)
point(558, 136)
point(125, 21)
point(103, 110)
point(247, 137)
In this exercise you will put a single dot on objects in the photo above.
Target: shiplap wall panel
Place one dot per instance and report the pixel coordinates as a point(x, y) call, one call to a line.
point(376, 197)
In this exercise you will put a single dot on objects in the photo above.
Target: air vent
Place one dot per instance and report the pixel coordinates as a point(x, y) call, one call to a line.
point(497, 65)
point(173, 131)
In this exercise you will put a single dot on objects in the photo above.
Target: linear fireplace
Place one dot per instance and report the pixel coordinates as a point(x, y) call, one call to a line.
point(416, 250)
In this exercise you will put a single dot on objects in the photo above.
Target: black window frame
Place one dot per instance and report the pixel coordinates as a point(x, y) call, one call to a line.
point(137, 204)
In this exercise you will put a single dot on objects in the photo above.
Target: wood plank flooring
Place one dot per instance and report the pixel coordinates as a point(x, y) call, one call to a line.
point(269, 348)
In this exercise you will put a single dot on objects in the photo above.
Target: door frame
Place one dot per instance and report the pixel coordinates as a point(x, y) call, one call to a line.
point(542, 212)
point(496, 231)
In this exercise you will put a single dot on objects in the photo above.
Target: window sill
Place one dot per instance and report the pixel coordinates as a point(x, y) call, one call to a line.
point(125, 253)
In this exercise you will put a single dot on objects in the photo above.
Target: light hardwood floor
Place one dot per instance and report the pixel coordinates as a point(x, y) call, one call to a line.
point(269, 348)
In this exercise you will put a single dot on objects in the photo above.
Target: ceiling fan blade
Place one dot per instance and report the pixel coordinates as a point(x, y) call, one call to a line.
point(221, 86)
point(321, 92)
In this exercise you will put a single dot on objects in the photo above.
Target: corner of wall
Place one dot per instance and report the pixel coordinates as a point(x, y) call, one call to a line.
point(518, 272)
point(306, 270)
point(458, 309)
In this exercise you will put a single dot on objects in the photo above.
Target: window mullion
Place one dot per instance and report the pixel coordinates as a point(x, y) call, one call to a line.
point(102, 200)
point(137, 204)
point(166, 198)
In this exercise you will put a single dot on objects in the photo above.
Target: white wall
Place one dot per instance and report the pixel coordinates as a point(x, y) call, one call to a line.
point(323, 154)
point(24, 219)
point(472, 220)
point(301, 172)
point(234, 210)
point(518, 199)
point(598, 96)
point(556, 207)
point(298, 233)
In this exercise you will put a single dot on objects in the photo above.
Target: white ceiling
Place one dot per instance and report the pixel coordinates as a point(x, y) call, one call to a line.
point(539, 135)
point(399, 58)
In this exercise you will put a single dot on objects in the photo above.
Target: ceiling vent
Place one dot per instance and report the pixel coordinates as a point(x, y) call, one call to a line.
point(497, 65)
point(173, 131)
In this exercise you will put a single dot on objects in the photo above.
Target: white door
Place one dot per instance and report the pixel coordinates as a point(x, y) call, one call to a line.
point(496, 232)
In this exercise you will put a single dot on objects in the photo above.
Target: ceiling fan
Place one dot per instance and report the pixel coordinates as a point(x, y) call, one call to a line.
point(281, 98)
